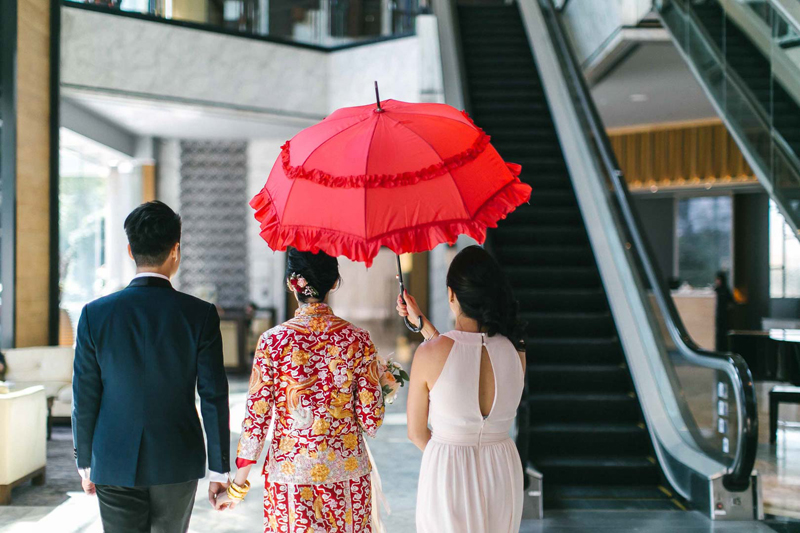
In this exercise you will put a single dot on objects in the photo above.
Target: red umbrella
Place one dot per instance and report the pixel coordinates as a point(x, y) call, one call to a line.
point(405, 176)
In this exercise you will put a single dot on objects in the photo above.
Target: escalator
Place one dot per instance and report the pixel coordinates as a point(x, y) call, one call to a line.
point(744, 56)
point(622, 410)
point(586, 429)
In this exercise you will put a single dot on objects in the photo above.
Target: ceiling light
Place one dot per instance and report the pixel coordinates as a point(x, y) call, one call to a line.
point(638, 98)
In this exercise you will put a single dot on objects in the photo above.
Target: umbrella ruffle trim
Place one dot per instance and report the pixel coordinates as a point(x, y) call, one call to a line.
point(404, 240)
point(374, 181)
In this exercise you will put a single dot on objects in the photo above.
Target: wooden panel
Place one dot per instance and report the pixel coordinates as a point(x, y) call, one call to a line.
point(696, 155)
point(148, 182)
point(33, 173)
point(230, 343)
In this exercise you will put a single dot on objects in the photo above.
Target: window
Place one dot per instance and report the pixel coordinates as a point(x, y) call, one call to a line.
point(704, 238)
point(784, 257)
point(96, 190)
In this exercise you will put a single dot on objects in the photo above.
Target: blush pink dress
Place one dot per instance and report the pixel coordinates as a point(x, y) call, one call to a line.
point(471, 475)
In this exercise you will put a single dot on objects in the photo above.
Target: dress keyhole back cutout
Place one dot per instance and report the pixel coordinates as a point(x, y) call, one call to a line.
point(487, 387)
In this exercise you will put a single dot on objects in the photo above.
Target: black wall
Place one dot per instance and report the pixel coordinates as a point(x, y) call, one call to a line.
point(751, 258)
point(658, 218)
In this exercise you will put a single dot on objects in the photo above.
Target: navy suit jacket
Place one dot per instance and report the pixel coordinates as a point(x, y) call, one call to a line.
point(140, 355)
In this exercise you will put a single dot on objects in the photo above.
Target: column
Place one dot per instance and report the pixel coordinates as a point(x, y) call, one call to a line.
point(30, 314)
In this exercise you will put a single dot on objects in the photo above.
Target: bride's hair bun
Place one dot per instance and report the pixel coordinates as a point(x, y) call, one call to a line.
point(485, 295)
point(320, 270)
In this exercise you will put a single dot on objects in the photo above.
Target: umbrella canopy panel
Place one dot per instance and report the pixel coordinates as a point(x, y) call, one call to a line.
point(408, 176)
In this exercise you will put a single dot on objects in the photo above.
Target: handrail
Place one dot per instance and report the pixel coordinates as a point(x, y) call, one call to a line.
point(738, 476)
point(741, 87)
point(787, 15)
point(779, 141)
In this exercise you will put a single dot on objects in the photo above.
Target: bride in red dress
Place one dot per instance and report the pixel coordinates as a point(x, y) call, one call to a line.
point(317, 379)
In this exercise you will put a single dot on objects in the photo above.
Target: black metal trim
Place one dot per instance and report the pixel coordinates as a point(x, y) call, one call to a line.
point(54, 293)
point(461, 59)
point(739, 475)
point(8, 169)
point(77, 4)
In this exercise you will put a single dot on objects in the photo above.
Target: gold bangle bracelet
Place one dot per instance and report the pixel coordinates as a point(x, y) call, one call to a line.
point(238, 491)
point(235, 496)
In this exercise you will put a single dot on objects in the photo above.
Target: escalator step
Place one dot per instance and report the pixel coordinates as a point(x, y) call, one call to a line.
point(551, 256)
point(621, 470)
point(528, 121)
point(545, 235)
point(584, 378)
point(566, 407)
point(611, 498)
point(550, 198)
point(500, 136)
point(530, 277)
point(499, 84)
point(557, 300)
point(539, 147)
point(651, 492)
point(578, 324)
point(491, 107)
point(574, 351)
point(590, 439)
point(613, 504)
point(546, 216)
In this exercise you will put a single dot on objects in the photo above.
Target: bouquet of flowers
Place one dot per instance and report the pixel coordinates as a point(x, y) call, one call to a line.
point(392, 378)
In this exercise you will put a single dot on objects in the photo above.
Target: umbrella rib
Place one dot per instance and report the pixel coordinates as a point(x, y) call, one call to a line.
point(366, 167)
point(460, 195)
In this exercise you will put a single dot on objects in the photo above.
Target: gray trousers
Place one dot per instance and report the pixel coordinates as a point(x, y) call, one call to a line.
point(156, 509)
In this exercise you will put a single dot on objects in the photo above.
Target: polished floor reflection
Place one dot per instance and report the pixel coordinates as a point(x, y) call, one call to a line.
point(59, 506)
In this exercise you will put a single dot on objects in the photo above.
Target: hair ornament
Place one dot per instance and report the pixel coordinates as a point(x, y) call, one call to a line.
point(298, 283)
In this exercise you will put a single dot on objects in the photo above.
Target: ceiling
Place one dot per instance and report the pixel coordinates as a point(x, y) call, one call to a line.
point(166, 119)
point(651, 85)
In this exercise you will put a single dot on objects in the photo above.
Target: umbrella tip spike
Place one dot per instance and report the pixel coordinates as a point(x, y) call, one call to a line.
point(377, 96)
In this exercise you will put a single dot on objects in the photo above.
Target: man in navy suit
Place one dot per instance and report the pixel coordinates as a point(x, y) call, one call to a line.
point(141, 354)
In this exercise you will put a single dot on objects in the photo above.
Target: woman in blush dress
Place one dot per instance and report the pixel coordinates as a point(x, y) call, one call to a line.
point(468, 383)
point(317, 377)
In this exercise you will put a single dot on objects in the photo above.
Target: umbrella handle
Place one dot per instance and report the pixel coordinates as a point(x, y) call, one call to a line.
point(409, 325)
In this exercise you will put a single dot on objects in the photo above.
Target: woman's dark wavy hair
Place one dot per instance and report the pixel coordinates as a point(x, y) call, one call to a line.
point(485, 294)
point(320, 270)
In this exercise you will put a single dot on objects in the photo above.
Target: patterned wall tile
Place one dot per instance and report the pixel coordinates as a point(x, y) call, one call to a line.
point(214, 209)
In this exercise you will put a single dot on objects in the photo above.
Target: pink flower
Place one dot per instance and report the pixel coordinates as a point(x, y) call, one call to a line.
point(301, 282)
point(390, 386)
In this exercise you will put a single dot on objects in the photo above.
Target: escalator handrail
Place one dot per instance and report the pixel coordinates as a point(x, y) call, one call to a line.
point(737, 478)
point(744, 90)
point(779, 142)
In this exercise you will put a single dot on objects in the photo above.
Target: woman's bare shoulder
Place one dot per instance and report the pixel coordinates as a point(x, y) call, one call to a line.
point(435, 351)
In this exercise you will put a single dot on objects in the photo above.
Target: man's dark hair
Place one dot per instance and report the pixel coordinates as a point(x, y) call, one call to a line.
point(153, 229)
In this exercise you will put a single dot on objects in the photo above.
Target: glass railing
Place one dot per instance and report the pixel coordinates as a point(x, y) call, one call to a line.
point(745, 54)
point(712, 403)
point(318, 23)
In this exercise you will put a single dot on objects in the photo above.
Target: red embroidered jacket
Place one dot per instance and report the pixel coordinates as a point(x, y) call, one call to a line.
point(319, 377)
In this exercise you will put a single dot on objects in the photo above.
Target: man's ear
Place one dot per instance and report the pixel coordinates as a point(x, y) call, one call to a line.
point(130, 252)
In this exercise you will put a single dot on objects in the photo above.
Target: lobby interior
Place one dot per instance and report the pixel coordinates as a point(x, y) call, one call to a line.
point(108, 104)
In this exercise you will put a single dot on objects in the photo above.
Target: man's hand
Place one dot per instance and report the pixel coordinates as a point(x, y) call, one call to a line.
point(88, 487)
point(225, 502)
point(215, 489)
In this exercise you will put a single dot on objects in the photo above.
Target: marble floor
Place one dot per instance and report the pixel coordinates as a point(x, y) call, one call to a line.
point(61, 507)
